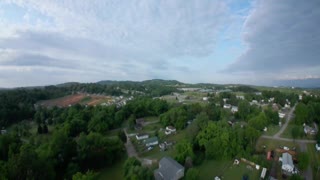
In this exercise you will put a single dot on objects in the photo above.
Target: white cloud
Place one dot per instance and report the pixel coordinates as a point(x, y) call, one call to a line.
point(139, 39)
point(283, 40)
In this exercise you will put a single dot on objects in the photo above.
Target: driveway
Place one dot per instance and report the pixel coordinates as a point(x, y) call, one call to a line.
point(129, 146)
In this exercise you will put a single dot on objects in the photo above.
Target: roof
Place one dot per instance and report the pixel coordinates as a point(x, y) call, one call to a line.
point(149, 140)
point(287, 159)
point(168, 168)
point(142, 134)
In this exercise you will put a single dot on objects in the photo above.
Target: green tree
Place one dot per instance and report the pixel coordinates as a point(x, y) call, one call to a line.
point(132, 121)
point(301, 114)
point(89, 175)
point(40, 130)
point(184, 150)
point(243, 109)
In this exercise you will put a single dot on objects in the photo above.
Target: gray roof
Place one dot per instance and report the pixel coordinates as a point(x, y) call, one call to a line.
point(168, 168)
point(287, 159)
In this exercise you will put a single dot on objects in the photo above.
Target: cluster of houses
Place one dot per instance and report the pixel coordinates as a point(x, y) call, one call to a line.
point(152, 141)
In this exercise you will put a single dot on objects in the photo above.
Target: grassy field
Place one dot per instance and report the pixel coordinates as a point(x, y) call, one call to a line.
point(114, 172)
point(273, 144)
point(314, 160)
point(272, 130)
point(226, 170)
point(287, 132)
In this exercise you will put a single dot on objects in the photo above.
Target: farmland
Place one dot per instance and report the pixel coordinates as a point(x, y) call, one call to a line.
point(84, 99)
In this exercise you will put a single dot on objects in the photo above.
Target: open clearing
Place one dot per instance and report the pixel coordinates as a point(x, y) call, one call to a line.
point(225, 169)
point(84, 99)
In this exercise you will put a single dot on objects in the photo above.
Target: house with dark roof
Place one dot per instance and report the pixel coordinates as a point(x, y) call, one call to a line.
point(169, 169)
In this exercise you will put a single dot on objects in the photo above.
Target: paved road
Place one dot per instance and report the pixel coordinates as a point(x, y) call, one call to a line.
point(288, 118)
point(129, 146)
point(302, 142)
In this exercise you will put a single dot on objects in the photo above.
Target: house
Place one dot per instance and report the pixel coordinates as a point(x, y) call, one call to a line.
point(138, 127)
point(281, 115)
point(3, 131)
point(318, 147)
point(287, 163)
point(151, 141)
point(140, 121)
point(234, 109)
point(169, 169)
point(300, 97)
point(162, 147)
point(227, 106)
point(309, 130)
point(240, 97)
point(142, 136)
point(263, 173)
point(205, 98)
point(258, 93)
point(170, 130)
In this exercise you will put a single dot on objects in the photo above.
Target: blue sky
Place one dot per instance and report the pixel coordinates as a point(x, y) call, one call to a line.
point(233, 41)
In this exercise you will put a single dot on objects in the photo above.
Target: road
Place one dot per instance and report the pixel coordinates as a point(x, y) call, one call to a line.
point(288, 118)
point(129, 146)
point(302, 142)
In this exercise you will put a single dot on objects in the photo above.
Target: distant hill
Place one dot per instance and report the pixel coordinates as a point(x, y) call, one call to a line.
point(67, 84)
point(161, 82)
point(303, 83)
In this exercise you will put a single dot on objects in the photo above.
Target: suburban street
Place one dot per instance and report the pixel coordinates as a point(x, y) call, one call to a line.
point(302, 142)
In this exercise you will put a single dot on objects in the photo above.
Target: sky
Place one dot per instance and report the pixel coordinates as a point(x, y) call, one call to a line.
point(233, 41)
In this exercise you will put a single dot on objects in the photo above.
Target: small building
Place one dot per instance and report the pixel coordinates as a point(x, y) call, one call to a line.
point(169, 169)
point(240, 97)
point(263, 173)
point(151, 141)
point(3, 131)
point(140, 121)
point(138, 127)
point(309, 130)
point(234, 109)
point(205, 98)
point(318, 147)
point(142, 136)
point(281, 115)
point(170, 130)
point(162, 147)
point(227, 106)
point(287, 163)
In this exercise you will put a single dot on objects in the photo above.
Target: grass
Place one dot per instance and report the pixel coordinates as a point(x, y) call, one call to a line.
point(287, 132)
point(272, 130)
point(314, 160)
point(114, 172)
point(226, 170)
point(272, 144)
point(155, 153)
point(151, 119)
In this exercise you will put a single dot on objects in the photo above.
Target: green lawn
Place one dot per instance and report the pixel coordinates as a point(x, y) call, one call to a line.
point(287, 132)
point(114, 172)
point(151, 119)
point(226, 170)
point(272, 130)
point(274, 144)
point(314, 160)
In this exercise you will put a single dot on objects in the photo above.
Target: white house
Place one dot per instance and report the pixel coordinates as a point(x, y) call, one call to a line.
point(227, 106)
point(281, 115)
point(142, 136)
point(263, 173)
point(170, 130)
point(287, 163)
point(318, 147)
point(234, 109)
point(309, 130)
point(205, 98)
point(240, 97)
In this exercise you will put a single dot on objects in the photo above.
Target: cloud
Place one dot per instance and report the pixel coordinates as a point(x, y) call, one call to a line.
point(139, 39)
point(282, 37)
